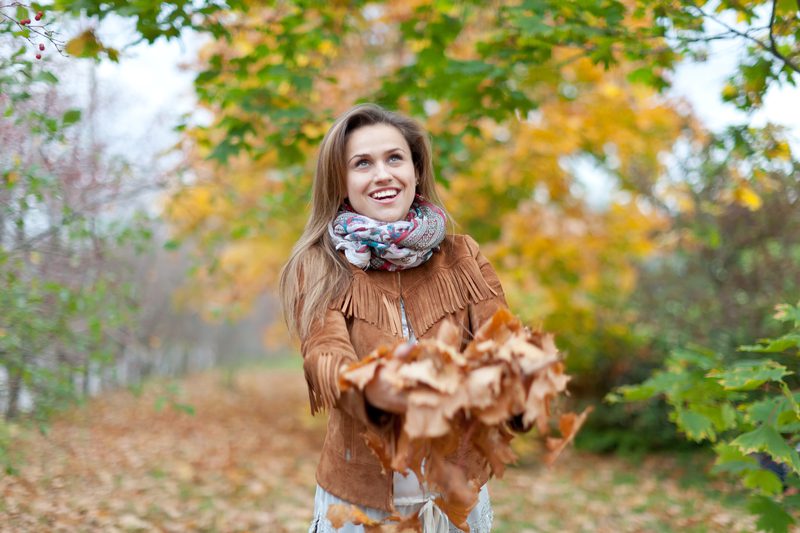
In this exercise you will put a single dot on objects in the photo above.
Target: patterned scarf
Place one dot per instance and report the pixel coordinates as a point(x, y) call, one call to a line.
point(407, 243)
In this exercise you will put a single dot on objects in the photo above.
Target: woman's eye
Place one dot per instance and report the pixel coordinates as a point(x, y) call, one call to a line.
point(395, 157)
point(362, 163)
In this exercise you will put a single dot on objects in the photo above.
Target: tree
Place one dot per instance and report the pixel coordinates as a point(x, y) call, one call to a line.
point(65, 301)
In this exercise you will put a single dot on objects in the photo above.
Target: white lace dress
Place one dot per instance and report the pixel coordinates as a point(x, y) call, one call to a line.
point(410, 497)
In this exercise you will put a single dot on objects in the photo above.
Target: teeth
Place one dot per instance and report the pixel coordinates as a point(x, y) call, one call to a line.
point(384, 194)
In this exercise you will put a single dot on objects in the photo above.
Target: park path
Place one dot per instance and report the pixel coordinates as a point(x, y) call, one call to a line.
point(236, 452)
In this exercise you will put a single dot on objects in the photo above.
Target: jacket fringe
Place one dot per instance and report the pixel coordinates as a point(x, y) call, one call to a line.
point(444, 292)
point(323, 392)
point(367, 302)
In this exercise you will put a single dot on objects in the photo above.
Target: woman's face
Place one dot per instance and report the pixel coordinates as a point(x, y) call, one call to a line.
point(381, 180)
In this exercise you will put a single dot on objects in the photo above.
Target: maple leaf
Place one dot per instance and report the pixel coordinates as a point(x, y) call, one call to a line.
point(483, 385)
point(381, 448)
point(495, 444)
point(425, 416)
point(340, 514)
point(358, 374)
point(449, 334)
point(568, 425)
point(439, 377)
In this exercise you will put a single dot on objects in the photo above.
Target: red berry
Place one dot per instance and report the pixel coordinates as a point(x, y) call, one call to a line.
point(41, 46)
point(39, 15)
point(23, 22)
point(38, 56)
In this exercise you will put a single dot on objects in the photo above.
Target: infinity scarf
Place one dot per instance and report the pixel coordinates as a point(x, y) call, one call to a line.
point(407, 243)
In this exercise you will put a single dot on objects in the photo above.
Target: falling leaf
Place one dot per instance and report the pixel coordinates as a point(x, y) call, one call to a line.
point(340, 514)
point(568, 425)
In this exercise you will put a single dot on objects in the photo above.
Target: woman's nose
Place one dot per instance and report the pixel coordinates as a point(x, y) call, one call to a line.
point(382, 172)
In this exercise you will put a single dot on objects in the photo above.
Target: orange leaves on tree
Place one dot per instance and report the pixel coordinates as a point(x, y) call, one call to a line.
point(458, 397)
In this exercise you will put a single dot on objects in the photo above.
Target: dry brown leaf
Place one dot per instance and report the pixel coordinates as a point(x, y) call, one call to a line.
point(495, 444)
point(382, 449)
point(425, 416)
point(443, 378)
point(359, 374)
point(340, 514)
point(568, 425)
point(449, 334)
point(483, 385)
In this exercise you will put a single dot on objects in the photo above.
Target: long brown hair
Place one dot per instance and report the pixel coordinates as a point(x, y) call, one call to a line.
point(315, 273)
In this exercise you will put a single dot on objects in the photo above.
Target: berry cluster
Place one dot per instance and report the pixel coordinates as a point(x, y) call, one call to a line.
point(27, 22)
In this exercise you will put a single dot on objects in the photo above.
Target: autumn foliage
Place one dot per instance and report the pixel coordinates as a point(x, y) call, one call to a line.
point(506, 372)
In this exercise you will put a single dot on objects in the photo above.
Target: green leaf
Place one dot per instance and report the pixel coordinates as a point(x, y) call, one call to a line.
point(766, 438)
point(771, 516)
point(696, 426)
point(240, 232)
point(172, 244)
point(731, 459)
point(46, 77)
point(781, 344)
point(184, 408)
point(749, 375)
point(631, 393)
point(696, 356)
point(765, 411)
point(763, 481)
point(786, 8)
point(71, 117)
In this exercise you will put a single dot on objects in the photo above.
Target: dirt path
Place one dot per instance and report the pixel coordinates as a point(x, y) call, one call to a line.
point(244, 461)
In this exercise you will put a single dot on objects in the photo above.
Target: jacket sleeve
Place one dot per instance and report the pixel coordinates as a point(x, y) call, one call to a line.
point(483, 310)
point(325, 350)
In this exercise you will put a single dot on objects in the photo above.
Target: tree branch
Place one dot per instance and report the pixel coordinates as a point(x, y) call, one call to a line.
point(771, 47)
point(37, 29)
point(28, 243)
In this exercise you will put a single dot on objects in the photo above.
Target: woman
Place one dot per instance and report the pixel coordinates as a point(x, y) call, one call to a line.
point(374, 267)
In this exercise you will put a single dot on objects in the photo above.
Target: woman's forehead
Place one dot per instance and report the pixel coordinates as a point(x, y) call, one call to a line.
point(375, 139)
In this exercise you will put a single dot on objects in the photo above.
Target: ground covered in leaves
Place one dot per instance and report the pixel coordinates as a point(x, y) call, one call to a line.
point(237, 452)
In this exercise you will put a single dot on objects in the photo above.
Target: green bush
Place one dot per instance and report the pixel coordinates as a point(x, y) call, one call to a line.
point(746, 406)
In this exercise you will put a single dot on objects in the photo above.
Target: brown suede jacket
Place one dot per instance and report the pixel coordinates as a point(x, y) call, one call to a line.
point(458, 283)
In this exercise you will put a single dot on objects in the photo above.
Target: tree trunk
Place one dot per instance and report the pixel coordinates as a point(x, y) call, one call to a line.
point(14, 390)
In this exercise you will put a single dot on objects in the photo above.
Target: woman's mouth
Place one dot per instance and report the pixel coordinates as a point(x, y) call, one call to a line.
point(384, 195)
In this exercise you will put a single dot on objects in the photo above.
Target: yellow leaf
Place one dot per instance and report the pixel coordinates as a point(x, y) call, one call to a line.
point(327, 49)
point(302, 60)
point(729, 92)
point(11, 177)
point(780, 151)
point(744, 195)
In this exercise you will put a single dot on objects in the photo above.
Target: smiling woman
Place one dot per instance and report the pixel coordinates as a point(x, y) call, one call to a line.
point(375, 267)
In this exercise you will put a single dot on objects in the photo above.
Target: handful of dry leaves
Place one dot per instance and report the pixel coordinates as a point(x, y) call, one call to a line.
point(457, 398)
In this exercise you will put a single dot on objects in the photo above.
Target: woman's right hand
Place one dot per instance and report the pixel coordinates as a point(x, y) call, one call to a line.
point(382, 394)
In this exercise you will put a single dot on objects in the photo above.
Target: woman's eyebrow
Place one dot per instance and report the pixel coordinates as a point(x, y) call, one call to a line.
point(390, 150)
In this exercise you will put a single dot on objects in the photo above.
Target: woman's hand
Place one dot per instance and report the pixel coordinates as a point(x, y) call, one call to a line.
point(382, 394)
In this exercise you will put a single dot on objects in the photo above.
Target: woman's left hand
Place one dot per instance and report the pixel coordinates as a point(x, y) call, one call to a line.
point(384, 395)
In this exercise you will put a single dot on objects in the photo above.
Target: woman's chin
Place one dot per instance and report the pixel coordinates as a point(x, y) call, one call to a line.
point(386, 215)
